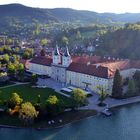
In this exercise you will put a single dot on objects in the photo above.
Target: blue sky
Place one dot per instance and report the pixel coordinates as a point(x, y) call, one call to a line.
point(116, 6)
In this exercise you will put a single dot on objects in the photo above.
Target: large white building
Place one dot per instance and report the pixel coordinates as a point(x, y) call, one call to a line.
point(82, 71)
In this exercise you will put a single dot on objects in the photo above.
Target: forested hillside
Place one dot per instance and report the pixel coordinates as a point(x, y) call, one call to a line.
point(124, 42)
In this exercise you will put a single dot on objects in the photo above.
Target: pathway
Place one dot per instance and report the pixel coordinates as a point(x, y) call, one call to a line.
point(114, 102)
point(93, 102)
point(16, 83)
point(50, 83)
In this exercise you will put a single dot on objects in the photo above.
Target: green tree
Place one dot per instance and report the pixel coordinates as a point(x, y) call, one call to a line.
point(79, 96)
point(53, 106)
point(7, 49)
point(15, 100)
point(52, 100)
point(20, 68)
point(103, 94)
point(65, 40)
point(28, 113)
point(9, 41)
point(43, 42)
point(26, 55)
point(117, 90)
point(78, 35)
point(6, 58)
point(136, 78)
point(11, 69)
point(34, 79)
point(38, 99)
point(131, 88)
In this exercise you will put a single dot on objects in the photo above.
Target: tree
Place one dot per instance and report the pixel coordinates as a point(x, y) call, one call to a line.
point(131, 88)
point(7, 49)
point(11, 69)
point(34, 79)
point(5, 59)
point(53, 106)
point(20, 68)
point(65, 40)
point(136, 75)
point(38, 99)
point(28, 53)
point(43, 42)
point(27, 113)
point(15, 100)
point(136, 78)
point(52, 100)
point(79, 96)
point(38, 103)
point(78, 35)
point(103, 94)
point(117, 90)
point(42, 52)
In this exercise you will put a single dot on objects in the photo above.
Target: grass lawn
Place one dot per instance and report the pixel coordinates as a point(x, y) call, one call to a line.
point(7, 84)
point(66, 117)
point(30, 94)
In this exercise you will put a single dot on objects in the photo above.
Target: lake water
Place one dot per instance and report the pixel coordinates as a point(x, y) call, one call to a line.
point(123, 125)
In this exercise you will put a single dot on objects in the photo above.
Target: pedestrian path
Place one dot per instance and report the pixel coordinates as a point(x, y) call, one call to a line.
point(111, 102)
point(16, 83)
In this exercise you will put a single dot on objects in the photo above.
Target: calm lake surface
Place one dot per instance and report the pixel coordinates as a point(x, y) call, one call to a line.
point(123, 125)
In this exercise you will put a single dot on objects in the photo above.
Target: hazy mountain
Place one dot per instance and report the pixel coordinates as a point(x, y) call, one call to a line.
point(28, 14)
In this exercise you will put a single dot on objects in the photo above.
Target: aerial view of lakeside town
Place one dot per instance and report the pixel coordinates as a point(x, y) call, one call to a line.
point(69, 72)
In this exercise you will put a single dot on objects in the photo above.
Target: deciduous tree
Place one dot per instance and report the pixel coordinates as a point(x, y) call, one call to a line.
point(27, 113)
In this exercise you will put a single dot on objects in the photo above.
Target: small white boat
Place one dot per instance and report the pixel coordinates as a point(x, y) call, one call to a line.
point(106, 112)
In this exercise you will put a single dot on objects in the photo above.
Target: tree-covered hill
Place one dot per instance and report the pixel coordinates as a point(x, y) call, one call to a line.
point(26, 14)
point(124, 42)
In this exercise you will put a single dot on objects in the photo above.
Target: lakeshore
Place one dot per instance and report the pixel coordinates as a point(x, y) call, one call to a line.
point(71, 116)
point(67, 117)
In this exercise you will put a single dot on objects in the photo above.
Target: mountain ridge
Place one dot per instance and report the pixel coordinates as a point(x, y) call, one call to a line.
point(66, 15)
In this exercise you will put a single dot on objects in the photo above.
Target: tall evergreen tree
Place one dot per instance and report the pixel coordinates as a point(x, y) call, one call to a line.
point(117, 90)
point(136, 78)
point(131, 88)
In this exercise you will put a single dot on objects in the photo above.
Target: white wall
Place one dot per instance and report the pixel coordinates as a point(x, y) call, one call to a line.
point(77, 79)
point(59, 73)
point(128, 72)
point(40, 69)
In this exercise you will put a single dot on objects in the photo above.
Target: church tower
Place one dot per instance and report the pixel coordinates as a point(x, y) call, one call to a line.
point(66, 58)
point(56, 56)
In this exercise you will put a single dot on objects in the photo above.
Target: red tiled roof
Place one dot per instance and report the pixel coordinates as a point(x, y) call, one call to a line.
point(92, 59)
point(89, 69)
point(135, 64)
point(42, 60)
point(86, 59)
point(121, 65)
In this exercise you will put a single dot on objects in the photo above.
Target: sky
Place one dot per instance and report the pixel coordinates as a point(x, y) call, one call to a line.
point(114, 6)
